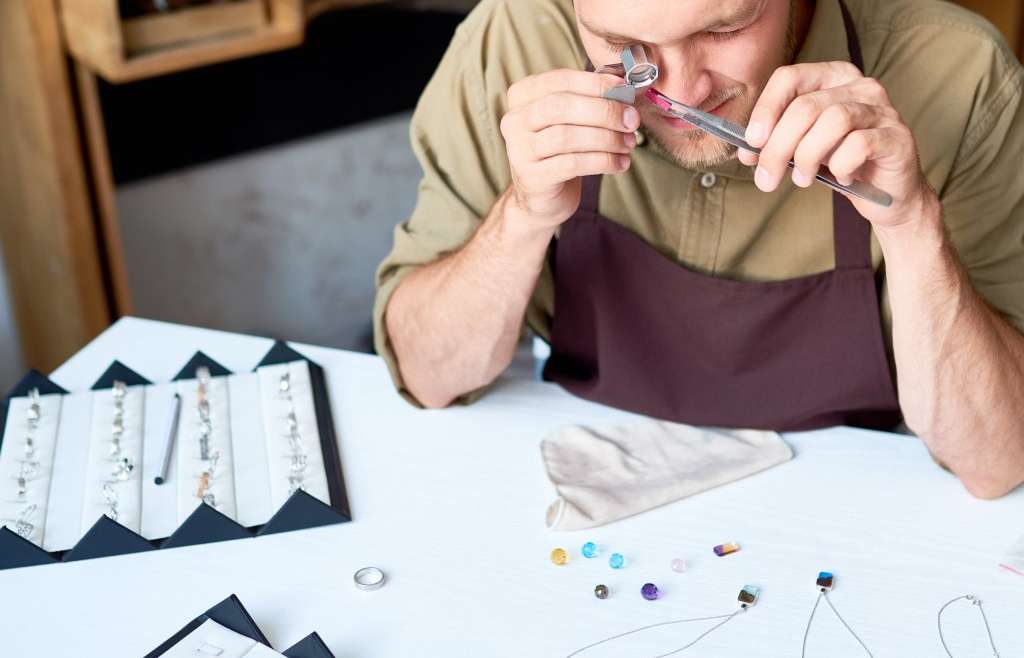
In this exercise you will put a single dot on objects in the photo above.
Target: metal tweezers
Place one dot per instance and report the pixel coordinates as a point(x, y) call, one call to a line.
point(721, 128)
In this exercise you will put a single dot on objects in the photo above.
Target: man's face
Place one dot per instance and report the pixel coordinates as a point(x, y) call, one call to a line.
point(713, 54)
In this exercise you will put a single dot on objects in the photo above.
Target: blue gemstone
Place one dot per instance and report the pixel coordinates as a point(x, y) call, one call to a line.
point(590, 549)
point(616, 561)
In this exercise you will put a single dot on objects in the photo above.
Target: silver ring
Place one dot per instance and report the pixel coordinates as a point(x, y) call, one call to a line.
point(369, 579)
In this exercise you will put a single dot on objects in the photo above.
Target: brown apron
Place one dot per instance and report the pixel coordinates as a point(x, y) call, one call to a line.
point(636, 330)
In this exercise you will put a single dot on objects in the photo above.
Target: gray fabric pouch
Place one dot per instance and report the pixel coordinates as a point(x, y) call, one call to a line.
point(606, 474)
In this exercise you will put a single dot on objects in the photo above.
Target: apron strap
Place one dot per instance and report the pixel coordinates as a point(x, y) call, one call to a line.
point(591, 184)
point(851, 232)
point(852, 40)
point(851, 235)
point(590, 194)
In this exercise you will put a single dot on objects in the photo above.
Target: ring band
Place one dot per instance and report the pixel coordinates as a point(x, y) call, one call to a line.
point(369, 579)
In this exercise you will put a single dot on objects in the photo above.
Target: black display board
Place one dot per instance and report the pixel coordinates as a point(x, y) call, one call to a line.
point(205, 524)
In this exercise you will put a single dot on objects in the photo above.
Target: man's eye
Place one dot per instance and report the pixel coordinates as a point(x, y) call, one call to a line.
point(724, 35)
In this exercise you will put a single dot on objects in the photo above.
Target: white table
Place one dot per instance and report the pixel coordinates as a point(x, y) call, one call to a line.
point(451, 505)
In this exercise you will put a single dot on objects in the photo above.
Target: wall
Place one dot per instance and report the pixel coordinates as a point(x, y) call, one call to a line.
point(282, 241)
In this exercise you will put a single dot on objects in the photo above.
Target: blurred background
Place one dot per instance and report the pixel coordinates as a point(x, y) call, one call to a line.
point(233, 164)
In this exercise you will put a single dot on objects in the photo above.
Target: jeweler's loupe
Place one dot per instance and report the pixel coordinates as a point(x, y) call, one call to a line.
point(640, 72)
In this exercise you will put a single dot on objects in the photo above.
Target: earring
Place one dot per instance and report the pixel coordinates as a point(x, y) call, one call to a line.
point(110, 495)
point(124, 469)
point(22, 526)
point(34, 412)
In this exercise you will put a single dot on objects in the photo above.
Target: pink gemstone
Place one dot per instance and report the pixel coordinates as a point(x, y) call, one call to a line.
point(679, 566)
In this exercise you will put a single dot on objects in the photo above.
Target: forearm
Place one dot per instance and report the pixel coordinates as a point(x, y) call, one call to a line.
point(454, 324)
point(960, 367)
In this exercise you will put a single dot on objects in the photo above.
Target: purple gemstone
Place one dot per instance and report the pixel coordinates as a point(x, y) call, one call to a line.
point(649, 591)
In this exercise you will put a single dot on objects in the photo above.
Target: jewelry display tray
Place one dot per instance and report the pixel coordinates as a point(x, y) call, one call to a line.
point(205, 524)
point(232, 615)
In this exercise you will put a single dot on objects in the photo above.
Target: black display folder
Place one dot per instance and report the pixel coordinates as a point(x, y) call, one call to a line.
point(205, 524)
point(231, 614)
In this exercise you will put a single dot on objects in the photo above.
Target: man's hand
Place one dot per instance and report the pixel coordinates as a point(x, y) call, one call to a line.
point(558, 128)
point(830, 114)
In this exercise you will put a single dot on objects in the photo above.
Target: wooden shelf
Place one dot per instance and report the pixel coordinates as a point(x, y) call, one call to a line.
point(125, 50)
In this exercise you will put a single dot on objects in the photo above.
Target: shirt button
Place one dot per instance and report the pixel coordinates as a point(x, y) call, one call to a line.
point(708, 180)
point(640, 138)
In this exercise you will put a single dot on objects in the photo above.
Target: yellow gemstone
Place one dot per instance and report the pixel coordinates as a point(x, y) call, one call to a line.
point(559, 556)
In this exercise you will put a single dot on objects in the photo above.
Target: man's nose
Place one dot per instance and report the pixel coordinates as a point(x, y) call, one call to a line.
point(683, 77)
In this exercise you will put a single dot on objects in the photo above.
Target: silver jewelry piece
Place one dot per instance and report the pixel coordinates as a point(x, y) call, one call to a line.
point(22, 526)
point(34, 412)
point(298, 463)
point(29, 468)
point(26, 472)
point(110, 494)
point(823, 594)
point(725, 619)
point(214, 458)
point(205, 424)
point(369, 579)
point(124, 469)
point(975, 601)
point(118, 392)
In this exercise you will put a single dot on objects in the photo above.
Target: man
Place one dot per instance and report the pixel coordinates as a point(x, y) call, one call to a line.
point(678, 278)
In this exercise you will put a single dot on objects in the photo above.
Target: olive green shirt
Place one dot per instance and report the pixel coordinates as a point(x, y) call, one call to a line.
point(948, 72)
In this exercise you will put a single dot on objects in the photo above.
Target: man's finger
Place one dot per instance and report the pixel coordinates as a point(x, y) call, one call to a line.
point(574, 109)
point(827, 133)
point(863, 146)
point(535, 87)
point(556, 140)
point(568, 166)
point(788, 83)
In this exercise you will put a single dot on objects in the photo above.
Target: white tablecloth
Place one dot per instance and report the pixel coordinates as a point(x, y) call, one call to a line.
point(451, 505)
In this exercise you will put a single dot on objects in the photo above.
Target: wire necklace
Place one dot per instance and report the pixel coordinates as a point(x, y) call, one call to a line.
point(826, 581)
point(976, 602)
point(747, 597)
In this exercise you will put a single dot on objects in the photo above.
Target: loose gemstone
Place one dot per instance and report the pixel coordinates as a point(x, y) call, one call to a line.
point(649, 591)
point(826, 580)
point(616, 561)
point(601, 591)
point(726, 548)
point(748, 595)
point(678, 565)
point(559, 556)
point(590, 549)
